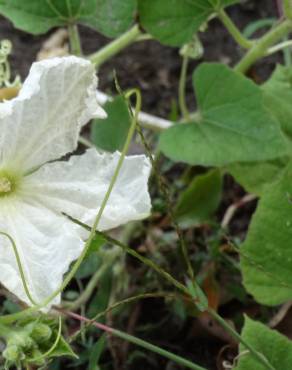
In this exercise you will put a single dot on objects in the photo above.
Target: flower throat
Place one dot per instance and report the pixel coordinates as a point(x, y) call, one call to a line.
point(6, 186)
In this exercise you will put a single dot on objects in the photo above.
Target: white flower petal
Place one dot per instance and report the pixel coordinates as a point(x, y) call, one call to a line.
point(44, 121)
point(77, 188)
point(46, 242)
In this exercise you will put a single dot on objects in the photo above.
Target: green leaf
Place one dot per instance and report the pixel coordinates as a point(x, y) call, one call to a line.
point(200, 200)
point(278, 97)
point(37, 17)
point(233, 124)
point(110, 134)
point(89, 266)
point(96, 352)
point(174, 22)
point(266, 257)
point(63, 349)
point(275, 347)
point(97, 242)
point(200, 298)
point(110, 17)
point(101, 299)
point(255, 176)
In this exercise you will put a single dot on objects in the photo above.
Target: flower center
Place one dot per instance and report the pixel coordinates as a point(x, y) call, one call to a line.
point(5, 185)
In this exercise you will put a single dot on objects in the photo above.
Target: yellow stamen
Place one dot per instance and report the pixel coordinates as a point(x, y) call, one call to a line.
point(5, 185)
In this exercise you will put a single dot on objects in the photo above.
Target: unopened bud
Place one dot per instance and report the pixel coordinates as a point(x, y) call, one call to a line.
point(12, 353)
point(41, 333)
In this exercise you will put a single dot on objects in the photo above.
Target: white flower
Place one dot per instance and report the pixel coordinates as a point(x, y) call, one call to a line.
point(39, 126)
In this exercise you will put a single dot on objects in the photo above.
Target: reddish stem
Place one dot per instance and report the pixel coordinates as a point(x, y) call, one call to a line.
point(75, 316)
point(280, 8)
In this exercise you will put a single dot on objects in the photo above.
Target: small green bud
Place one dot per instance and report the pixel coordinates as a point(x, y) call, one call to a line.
point(194, 49)
point(20, 339)
point(36, 357)
point(12, 353)
point(41, 333)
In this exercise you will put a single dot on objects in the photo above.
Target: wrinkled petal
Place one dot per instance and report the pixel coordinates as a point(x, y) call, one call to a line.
point(77, 188)
point(44, 121)
point(46, 242)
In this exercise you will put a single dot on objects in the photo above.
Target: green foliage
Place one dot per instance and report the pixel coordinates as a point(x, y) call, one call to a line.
point(174, 22)
point(112, 17)
point(63, 349)
point(266, 254)
point(240, 127)
point(97, 242)
point(255, 176)
point(278, 97)
point(276, 348)
point(101, 300)
point(233, 124)
point(34, 16)
point(200, 200)
point(88, 267)
point(34, 342)
point(110, 134)
point(96, 352)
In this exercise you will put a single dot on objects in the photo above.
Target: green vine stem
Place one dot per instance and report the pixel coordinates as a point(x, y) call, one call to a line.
point(182, 88)
point(287, 7)
point(115, 46)
point(262, 45)
point(163, 188)
point(281, 46)
point(258, 356)
point(234, 31)
point(4, 331)
point(91, 285)
point(74, 38)
point(144, 260)
point(20, 268)
point(121, 303)
point(139, 342)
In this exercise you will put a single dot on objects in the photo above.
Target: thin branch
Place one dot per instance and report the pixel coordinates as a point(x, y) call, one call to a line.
point(234, 207)
point(145, 120)
point(280, 315)
point(135, 340)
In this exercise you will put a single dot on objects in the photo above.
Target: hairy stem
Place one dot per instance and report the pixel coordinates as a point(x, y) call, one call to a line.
point(261, 47)
point(124, 302)
point(20, 268)
point(139, 342)
point(258, 356)
point(234, 31)
point(115, 46)
point(75, 44)
point(91, 285)
point(4, 331)
point(182, 88)
point(287, 7)
point(281, 46)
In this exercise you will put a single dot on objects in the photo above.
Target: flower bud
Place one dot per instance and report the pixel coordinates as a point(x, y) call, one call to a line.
point(20, 339)
point(41, 333)
point(12, 353)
